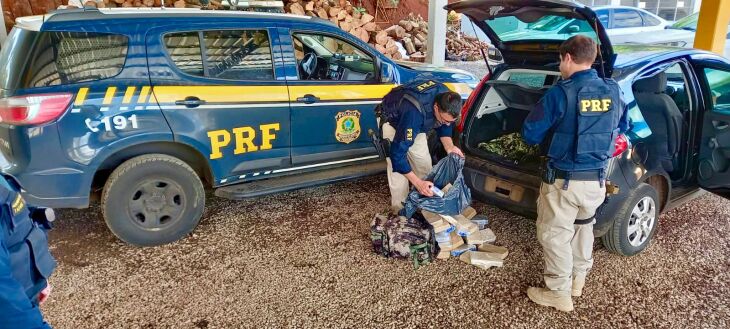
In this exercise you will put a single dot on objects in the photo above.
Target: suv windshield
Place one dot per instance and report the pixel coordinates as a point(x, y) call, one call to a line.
point(549, 27)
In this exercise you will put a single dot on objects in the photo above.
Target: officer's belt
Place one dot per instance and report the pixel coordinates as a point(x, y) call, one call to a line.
point(584, 221)
point(588, 175)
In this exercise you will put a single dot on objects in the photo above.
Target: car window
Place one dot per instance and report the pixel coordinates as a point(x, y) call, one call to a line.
point(536, 80)
point(548, 27)
point(324, 57)
point(603, 17)
point(73, 57)
point(184, 50)
point(649, 20)
point(229, 54)
point(625, 18)
point(719, 82)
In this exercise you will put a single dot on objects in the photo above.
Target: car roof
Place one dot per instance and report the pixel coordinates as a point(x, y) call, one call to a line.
point(89, 14)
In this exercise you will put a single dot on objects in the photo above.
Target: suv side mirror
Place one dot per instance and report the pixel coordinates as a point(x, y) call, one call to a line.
point(387, 72)
point(573, 29)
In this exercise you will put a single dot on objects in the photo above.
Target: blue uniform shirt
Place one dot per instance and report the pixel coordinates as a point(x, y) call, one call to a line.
point(16, 308)
point(549, 112)
point(411, 123)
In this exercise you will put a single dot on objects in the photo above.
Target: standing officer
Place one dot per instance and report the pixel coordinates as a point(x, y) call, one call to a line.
point(407, 114)
point(584, 114)
point(25, 261)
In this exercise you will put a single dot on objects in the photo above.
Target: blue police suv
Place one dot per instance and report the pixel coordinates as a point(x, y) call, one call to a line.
point(679, 104)
point(145, 109)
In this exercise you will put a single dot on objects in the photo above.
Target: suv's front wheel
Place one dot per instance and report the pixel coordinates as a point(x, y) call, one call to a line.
point(636, 223)
point(152, 199)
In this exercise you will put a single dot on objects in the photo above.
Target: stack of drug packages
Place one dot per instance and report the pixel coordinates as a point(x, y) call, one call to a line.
point(467, 237)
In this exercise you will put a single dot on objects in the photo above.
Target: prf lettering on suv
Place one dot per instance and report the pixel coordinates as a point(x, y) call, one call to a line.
point(145, 109)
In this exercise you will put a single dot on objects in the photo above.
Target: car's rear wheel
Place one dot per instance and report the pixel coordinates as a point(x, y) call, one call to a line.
point(636, 223)
point(152, 200)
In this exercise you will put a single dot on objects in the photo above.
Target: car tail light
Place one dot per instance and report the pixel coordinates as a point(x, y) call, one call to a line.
point(470, 101)
point(33, 109)
point(621, 144)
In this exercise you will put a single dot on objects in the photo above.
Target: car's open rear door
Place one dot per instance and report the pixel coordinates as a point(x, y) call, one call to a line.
point(713, 169)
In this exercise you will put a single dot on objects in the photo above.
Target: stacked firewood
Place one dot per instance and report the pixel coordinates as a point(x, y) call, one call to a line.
point(460, 46)
point(349, 18)
point(413, 34)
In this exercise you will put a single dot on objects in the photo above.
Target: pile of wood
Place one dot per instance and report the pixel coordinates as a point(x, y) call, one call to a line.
point(349, 18)
point(460, 46)
point(413, 34)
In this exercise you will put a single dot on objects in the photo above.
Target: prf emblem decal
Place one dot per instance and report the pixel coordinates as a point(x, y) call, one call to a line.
point(426, 85)
point(409, 134)
point(18, 205)
point(595, 105)
point(348, 126)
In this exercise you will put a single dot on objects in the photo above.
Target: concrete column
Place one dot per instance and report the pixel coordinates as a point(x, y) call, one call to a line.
point(712, 25)
point(436, 32)
point(615, 2)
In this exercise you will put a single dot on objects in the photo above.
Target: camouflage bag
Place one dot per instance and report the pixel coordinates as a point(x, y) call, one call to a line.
point(398, 237)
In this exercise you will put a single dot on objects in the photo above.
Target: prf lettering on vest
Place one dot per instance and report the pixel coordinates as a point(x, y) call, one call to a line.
point(244, 139)
point(426, 85)
point(595, 105)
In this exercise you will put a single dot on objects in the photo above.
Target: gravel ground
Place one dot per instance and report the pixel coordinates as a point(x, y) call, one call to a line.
point(303, 259)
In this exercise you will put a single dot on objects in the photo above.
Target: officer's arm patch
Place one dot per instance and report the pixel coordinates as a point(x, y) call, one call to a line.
point(409, 134)
point(18, 205)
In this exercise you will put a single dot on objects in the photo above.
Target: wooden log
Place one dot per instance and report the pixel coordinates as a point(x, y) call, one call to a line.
point(341, 15)
point(417, 42)
point(342, 3)
point(381, 37)
point(296, 9)
point(367, 18)
point(364, 35)
point(356, 23)
point(380, 48)
point(309, 6)
point(408, 44)
point(356, 14)
point(322, 13)
point(334, 20)
point(128, 3)
point(395, 31)
point(119, 2)
point(370, 27)
point(148, 3)
point(397, 56)
point(334, 11)
point(90, 3)
point(406, 25)
point(422, 36)
point(346, 26)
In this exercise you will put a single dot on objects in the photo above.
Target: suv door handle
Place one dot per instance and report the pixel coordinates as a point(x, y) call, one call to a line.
point(308, 99)
point(190, 102)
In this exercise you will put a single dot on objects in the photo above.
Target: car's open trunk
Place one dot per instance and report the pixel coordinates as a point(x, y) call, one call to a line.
point(493, 132)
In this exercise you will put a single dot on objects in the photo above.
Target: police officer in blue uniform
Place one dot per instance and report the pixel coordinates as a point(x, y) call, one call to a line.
point(25, 261)
point(408, 113)
point(583, 114)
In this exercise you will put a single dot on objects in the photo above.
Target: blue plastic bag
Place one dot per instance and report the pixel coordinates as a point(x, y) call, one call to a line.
point(456, 199)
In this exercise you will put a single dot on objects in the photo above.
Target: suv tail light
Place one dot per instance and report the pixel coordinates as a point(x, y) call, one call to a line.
point(33, 109)
point(621, 144)
point(470, 101)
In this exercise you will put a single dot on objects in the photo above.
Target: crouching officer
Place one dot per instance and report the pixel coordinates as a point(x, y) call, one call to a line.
point(25, 261)
point(406, 115)
point(584, 114)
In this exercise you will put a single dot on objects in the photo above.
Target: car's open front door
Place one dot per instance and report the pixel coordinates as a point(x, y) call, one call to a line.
point(713, 170)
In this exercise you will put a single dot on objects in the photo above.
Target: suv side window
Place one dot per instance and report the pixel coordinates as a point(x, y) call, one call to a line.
point(649, 20)
point(73, 57)
point(623, 18)
point(229, 54)
point(323, 57)
point(719, 81)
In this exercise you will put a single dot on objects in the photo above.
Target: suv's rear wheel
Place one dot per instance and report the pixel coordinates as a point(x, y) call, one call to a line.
point(636, 223)
point(152, 200)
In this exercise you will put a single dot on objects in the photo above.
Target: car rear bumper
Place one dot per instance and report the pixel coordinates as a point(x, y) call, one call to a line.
point(65, 188)
point(504, 187)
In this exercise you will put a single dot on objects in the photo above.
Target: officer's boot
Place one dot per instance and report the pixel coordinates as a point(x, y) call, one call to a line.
point(579, 282)
point(559, 300)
